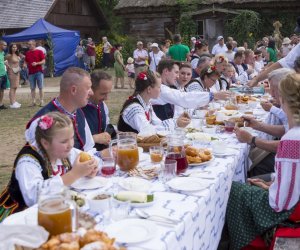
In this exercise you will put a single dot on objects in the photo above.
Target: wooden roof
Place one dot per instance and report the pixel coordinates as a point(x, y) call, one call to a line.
point(144, 3)
point(123, 4)
point(23, 13)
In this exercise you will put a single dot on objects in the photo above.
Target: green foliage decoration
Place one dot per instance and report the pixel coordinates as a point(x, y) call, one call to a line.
point(187, 26)
point(244, 27)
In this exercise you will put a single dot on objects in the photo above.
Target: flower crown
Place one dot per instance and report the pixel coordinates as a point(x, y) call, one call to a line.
point(220, 59)
point(198, 42)
point(45, 122)
point(142, 76)
point(211, 69)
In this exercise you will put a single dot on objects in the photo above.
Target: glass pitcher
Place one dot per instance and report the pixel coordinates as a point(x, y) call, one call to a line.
point(57, 213)
point(127, 150)
point(174, 147)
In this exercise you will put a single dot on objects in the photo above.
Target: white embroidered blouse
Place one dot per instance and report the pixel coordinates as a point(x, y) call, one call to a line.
point(134, 115)
point(29, 176)
point(284, 192)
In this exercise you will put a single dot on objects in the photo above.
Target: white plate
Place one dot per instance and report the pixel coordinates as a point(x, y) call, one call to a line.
point(202, 163)
point(199, 136)
point(141, 204)
point(26, 217)
point(163, 133)
point(204, 175)
point(130, 231)
point(86, 183)
point(227, 151)
point(135, 184)
point(187, 184)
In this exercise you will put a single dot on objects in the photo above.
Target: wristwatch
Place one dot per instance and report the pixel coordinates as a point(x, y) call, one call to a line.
point(253, 144)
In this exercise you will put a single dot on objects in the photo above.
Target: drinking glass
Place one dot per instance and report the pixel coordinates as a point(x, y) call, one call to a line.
point(156, 153)
point(168, 170)
point(119, 209)
point(56, 211)
point(229, 126)
point(108, 166)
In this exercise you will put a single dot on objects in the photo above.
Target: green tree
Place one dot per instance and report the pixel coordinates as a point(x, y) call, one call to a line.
point(244, 27)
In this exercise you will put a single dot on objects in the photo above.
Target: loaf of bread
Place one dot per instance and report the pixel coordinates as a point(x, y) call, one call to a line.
point(83, 156)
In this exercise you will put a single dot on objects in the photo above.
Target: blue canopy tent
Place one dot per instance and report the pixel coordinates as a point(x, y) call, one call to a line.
point(64, 42)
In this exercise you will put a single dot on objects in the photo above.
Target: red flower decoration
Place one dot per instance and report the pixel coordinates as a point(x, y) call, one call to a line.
point(198, 43)
point(46, 122)
point(211, 69)
point(142, 76)
point(220, 59)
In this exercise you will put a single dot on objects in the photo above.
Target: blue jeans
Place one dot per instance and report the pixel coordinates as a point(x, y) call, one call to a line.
point(36, 79)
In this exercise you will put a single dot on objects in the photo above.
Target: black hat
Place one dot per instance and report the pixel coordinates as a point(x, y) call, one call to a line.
point(297, 29)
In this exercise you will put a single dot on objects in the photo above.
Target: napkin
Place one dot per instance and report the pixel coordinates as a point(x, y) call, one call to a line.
point(22, 235)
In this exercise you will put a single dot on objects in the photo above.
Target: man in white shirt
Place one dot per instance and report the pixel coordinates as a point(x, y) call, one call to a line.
point(220, 47)
point(170, 95)
point(140, 56)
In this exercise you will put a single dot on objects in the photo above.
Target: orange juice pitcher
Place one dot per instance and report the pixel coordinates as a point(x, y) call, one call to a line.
point(127, 150)
point(56, 212)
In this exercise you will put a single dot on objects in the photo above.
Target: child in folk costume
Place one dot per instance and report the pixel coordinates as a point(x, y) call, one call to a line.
point(257, 209)
point(48, 161)
point(137, 114)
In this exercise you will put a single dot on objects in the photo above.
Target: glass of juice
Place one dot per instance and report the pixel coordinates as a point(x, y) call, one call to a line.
point(181, 160)
point(108, 166)
point(156, 154)
point(56, 212)
point(229, 126)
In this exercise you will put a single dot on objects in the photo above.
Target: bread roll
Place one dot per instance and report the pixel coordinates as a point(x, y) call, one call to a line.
point(84, 157)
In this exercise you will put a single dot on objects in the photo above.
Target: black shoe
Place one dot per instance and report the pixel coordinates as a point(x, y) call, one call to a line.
point(3, 107)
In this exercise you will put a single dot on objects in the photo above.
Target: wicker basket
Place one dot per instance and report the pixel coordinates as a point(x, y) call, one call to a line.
point(146, 142)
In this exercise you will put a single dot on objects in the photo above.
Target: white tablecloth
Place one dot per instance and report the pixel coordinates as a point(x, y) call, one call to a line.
point(202, 213)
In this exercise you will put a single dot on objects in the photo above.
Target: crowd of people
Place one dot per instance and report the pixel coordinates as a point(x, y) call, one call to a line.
point(170, 83)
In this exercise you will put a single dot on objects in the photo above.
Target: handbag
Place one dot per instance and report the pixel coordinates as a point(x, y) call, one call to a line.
point(16, 70)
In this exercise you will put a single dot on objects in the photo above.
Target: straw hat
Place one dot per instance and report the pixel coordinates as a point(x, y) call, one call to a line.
point(286, 40)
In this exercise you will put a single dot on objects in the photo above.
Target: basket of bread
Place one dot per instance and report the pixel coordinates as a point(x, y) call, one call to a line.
point(147, 141)
point(196, 156)
point(85, 240)
point(244, 99)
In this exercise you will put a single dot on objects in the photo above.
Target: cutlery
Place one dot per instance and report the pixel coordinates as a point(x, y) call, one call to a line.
point(187, 175)
point(159, 218)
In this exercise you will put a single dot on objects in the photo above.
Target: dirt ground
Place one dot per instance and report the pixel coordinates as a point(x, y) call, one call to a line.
point(13, 122)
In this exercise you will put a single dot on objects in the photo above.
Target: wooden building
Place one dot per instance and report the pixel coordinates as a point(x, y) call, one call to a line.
point(153, 20)
point(83, 15)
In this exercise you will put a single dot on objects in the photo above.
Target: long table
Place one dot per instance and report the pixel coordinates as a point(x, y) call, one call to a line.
point(201, 213)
